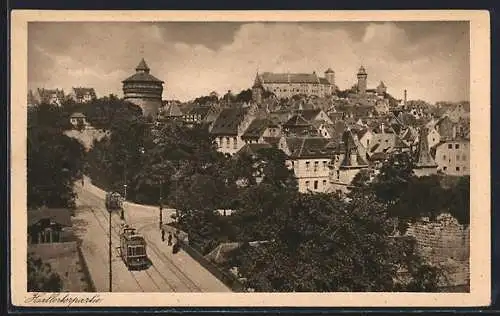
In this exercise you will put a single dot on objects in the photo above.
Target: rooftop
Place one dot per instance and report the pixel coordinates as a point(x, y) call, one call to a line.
point(60, 216)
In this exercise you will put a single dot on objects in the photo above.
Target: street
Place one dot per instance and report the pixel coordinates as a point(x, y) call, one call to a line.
point(168, 273)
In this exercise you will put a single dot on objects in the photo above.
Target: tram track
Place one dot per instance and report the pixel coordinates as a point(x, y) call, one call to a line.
point(168, 263)
point(115, 224)
point(106, 231)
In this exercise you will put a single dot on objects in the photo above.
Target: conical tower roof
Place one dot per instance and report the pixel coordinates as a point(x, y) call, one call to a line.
point(362, 71)
point(381, 84)
point(142, 66)
point(257, 82)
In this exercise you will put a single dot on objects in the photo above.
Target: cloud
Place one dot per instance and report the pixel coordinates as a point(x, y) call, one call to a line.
point(101, 55)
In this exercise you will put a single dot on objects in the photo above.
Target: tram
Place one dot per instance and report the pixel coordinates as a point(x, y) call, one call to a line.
point(114, 201)
point(133, 249)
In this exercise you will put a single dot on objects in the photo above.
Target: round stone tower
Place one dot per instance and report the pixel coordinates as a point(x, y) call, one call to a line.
point(330, 76)
point(144, 90)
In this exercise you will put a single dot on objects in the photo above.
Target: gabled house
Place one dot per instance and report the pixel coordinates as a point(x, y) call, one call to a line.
point(297, 125)
point(170, 112)
point(260, 129)
point(48, 225)
point(197, 114)
point(309, 157)
point(315, 115)
point(349, 159)
point(83, 95)
point(78, 119)
point(229, 127)
point(50, 96)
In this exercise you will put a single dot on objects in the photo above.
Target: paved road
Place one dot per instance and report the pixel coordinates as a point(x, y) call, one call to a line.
point(169, 272)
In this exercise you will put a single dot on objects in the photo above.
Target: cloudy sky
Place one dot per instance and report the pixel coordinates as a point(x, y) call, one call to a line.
point(429, 59)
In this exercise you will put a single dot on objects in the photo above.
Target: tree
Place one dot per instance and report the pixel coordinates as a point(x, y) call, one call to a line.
point(54, 160)
point(41, 278)
point(393, 178)
point(325, 244)
point(244, 96)
point(459, 202)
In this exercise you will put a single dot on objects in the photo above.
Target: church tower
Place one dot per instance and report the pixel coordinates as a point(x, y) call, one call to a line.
point(362, 75)
point(257, 90)
point(144, 90)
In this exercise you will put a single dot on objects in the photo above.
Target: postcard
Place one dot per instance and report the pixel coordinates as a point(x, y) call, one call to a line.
point(250, 158)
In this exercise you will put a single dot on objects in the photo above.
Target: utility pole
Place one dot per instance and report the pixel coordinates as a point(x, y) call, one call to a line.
point(110, 267)
point(122, 213)
point(161, 204)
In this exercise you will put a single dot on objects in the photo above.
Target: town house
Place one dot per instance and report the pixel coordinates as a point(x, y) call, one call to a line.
point(83, 95)
point(309, 157)
point(230, 125)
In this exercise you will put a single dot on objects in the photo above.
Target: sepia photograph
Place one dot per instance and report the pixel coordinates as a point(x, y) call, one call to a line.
point(224, 154)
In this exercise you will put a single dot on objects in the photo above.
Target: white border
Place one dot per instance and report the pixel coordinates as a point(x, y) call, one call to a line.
point(480, 161)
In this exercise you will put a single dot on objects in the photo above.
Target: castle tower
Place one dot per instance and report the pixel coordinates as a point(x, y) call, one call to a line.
point(144, 90)
point(257, 90)
point(362, 75)
point(381, 88)
point(330, 76)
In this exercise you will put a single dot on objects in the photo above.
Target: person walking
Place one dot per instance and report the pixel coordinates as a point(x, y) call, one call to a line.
point(170, 239)
point(162, 234)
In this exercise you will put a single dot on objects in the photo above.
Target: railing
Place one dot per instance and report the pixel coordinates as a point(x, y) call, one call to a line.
point(225, 277)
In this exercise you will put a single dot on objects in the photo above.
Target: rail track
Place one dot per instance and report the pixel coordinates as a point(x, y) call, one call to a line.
point(182, 277)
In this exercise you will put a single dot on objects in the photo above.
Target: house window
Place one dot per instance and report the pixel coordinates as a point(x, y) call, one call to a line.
point(316, 166)
point(315, 185)
point(324, 183)
point(450, 146)
point(457, 168)
point(445, 168)
point(457, 146)
point(338, 174)
point(235, 143)
point(307, 184)
point(325, 164)
point(293, 164)
point(227, 142)
point(464, 157)
point(307, 165)
point(458, 157)
point(444, 157)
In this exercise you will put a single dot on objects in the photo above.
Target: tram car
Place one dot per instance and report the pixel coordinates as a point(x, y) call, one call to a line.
point(133, 249)
point(113, 201)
